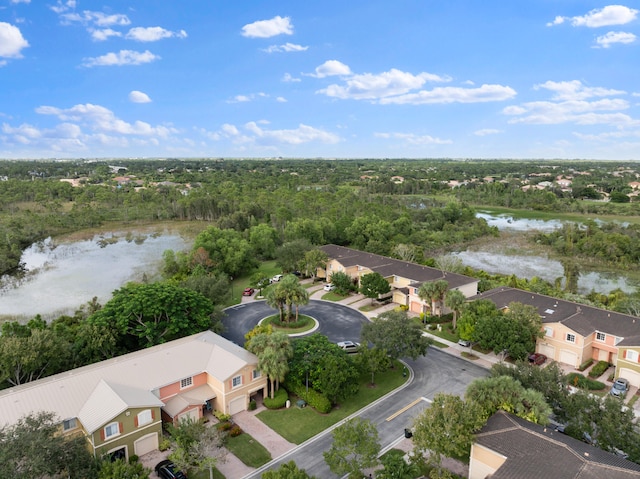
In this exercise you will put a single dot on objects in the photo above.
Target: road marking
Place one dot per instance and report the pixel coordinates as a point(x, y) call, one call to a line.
point(407, 407)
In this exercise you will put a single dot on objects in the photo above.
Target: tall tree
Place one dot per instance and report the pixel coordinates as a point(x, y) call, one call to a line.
point(454, 300)
point(288, 470)
point(373, 360)
point(121, 469)
point(396, 333)
point(313, 260)
point(196, 445)
point(228, 251)
point(273, 351)
point(373, 285)
point(355, 447)
point(433, 291)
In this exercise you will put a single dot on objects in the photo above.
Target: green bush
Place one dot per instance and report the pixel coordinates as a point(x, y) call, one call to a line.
point(279, 399)
point(599, 369)
point(133, 459)
point(585, 365)
point(579, 381)
point(220, 416)
point(252, 405)
point(235, 431)
point(224, 426)
point(314, 399)
point(164, 444)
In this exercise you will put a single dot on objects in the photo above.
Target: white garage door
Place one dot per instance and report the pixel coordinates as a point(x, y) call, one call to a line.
point(237, 405)
point(632, 376)
point(146, 444)
point(192, 413)
point(548, 350)
point(569, 357)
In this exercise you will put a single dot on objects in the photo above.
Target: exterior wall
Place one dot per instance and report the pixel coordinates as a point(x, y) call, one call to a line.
point(484, 462)
point(248, 386)
point(172, 389)
point(469, 290)
point(628, 368)
point(129, 432)
point(559, 342)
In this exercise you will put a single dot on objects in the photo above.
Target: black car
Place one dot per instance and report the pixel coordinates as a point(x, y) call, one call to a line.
point(167, 470)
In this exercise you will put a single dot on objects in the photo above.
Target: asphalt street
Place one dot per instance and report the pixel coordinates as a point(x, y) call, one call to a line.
point(436, 372)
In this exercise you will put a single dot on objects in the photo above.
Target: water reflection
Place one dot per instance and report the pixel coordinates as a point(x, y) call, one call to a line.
point(509, 223)
point(63, 275)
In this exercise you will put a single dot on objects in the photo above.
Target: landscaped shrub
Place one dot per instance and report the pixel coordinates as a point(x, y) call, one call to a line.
point(585, 365)
point(224, 426)
point(220, 416)
point(579, 381)
point(164, 444)
point(599, 369)
point(235, 431)
point(279, 399)
point(252, 405)
point(133, 458)
point(314, 399)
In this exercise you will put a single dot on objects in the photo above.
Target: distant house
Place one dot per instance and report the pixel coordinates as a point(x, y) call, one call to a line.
point(405, 278)
point(509, 447)
point(574, 333)
point(119, 404)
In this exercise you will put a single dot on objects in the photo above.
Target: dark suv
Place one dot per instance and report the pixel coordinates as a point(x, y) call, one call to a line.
point(167, 470)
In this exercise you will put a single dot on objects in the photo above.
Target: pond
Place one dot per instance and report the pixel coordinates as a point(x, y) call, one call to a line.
point(65, 273)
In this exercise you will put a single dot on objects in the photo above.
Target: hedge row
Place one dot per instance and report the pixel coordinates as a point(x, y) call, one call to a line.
point(599, 369)
point(279, 399)
point(578, 380)
point(314, 399)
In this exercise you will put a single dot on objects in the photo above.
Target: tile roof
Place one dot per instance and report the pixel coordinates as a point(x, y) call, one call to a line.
point(387, 267)
point(533, 451)
point(67, 394)
point(581, 318)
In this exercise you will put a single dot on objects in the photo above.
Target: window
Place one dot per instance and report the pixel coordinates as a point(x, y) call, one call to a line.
point(237, 381)
point(571, 338)
point(631, 355)
point(69, 424)
point(548, 332)
point(256, 374)
point(186, 382)
point(600, 336)
point(144, 417)
point(112, 429)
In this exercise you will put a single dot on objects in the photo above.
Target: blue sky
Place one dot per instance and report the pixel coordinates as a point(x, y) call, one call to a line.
point(333, 79)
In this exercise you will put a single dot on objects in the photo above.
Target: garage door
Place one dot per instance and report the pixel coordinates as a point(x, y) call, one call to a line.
point(632, 376)
point(237, 405)
point(569, 357)
point(192, 413)
point(146, 444)
point(547, 350)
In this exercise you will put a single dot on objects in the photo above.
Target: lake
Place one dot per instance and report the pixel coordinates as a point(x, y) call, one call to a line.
point(65, 273)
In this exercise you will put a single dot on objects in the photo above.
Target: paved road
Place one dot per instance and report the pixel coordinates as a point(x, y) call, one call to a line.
point(436, 372)
point(336, 321)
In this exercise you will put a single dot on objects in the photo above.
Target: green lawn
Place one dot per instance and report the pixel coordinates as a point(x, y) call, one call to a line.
point(297, 425)
point(205, 474)
point(248, 450)
point(238, 285)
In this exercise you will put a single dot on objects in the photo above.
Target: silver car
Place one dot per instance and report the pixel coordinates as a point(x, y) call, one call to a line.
point(620, 387)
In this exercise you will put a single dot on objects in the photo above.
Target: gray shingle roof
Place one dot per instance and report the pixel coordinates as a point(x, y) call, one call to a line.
point(387, 267)
point(533, 451)
point(581, 318)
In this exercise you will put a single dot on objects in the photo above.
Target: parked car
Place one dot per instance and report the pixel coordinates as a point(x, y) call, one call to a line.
point(620, 387)
point(167, 470)
point(464, 342)
point(349, 346)
point(537, 359)
point(248, 292)
point(276, 278)
point(329, 287)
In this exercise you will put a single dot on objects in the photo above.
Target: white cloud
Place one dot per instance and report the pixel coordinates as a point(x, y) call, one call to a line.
point(287, 78)
point(103, 120)
point(484, 93)
point(414, 140)
point(605, 41)
point(575, 90)
point(11, 41)
point(88, 17)
point(20, 1)
point(281, 99)
point(123, 57)
point(287, 47)
point(600, 17)
point(268, 28)
point(302, 134)
point(487, 131)
point(103, 34)
point(368, 86)
point(247, 98)
point(331, 68)
point(152, 34)
point(139, 97)
point(61, 6)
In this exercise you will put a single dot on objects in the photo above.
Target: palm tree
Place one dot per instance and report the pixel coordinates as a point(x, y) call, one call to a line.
point(433, 292)
point(276, 299)
point(454, 300)
point(273, 351)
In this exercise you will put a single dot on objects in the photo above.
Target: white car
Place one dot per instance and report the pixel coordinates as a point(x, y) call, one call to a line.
point(349, 346)
point(329, 287)
point(276, 278)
